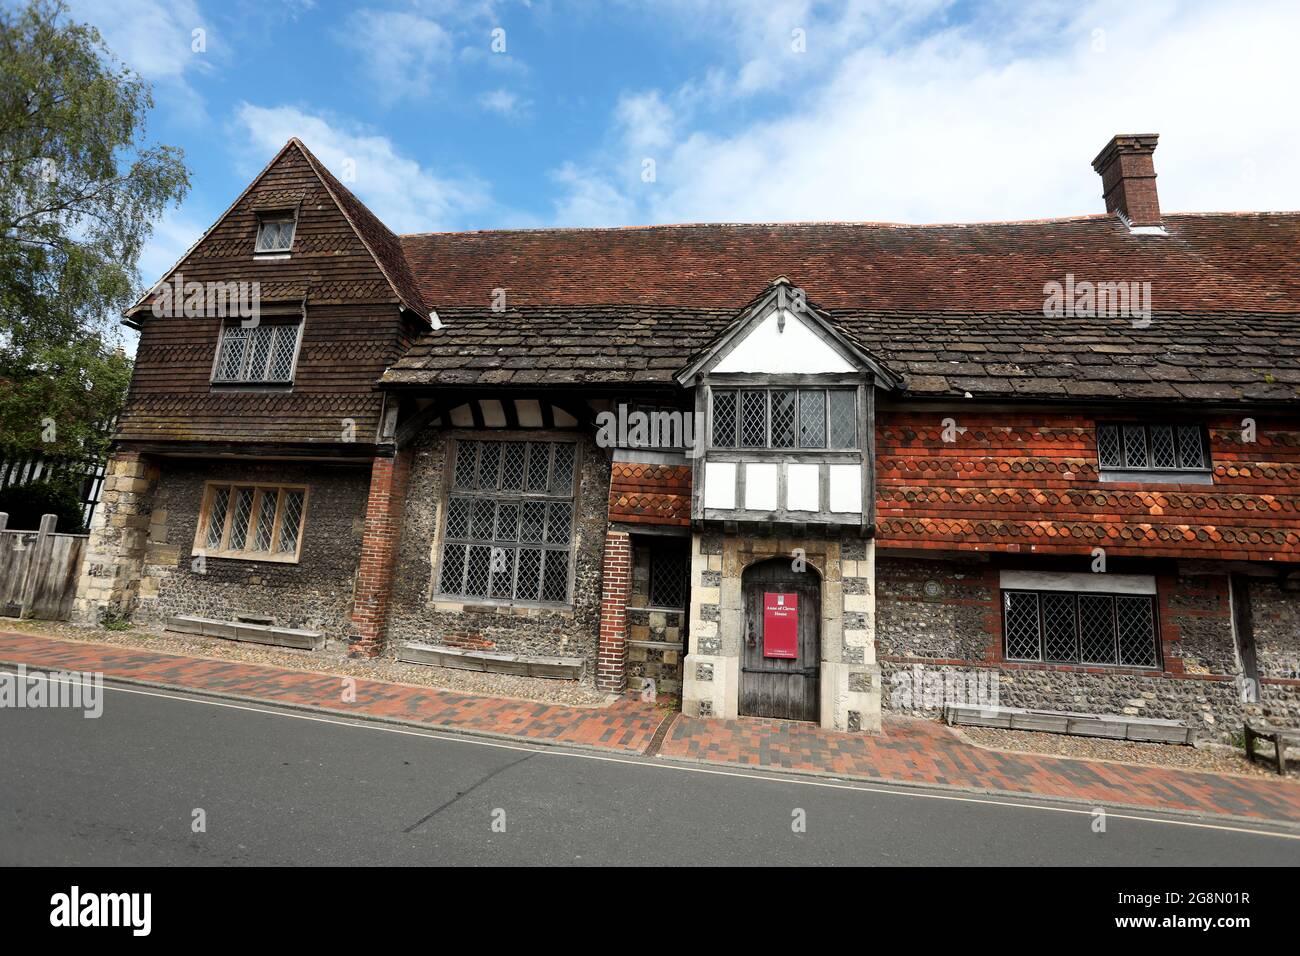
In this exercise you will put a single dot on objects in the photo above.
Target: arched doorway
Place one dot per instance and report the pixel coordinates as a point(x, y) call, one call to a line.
point(780, 663)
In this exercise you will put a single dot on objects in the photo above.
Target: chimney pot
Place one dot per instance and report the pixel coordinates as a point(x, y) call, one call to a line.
point(1128, 178)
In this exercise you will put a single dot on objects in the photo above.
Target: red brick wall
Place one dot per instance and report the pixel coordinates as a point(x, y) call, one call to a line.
point(641, 493)
point(1021, 483)
point(388, 481)
point(611, 661)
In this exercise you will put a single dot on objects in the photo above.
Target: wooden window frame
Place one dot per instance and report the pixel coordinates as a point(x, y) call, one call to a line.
point(272, 319)
point(799, 389)
point(1150, 469)
point(495, 495)
point(275, 216)
point(1113, 596)
point(259, 488)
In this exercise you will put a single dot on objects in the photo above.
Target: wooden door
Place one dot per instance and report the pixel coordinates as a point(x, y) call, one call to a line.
point(771, 685)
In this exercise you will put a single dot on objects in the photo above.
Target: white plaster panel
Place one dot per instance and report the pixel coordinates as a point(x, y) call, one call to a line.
point(846, 489)
point(803, 489)
point(720, 484)
point(760, 487)
point(794, 350)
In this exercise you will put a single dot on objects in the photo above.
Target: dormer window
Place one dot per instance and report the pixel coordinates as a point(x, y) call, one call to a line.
point(275, 233)
point(1151, 451)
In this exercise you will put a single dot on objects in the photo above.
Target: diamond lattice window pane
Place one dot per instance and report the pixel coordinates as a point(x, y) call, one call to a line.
point(533, 521)
point(259, 351)
point(555, 577)
point(291, 521)
point(812, 418)
point(507, 521)
point(489, 464)
point(481, 519)
point(512, 466)
point(286, 339)
point(1096, 629)
point(753, 419)
point(234, 338)
point(529, 583)
point(458, 512)
point(217, 517)
point(1020, 617)
point(562, 470)
point(724, 419)
point(557, 529)
point(843, 418)
point(539, 465)
point(265, 520)
point(668, 576)
point(1109, 454)
point(478, 569)
point(466, 463)
point(1191, 452)
point(1058, 627)
point(502, 572)
point(239, 523)
point(783, 408)
point(1135, 624)
point(1135, 446)
point(453, 569)
point(1162, 447)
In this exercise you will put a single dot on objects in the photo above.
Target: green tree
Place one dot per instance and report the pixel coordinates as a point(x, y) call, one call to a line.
point(80, 189)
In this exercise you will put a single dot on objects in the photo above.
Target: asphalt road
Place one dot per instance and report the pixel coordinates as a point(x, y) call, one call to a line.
point(283, 787)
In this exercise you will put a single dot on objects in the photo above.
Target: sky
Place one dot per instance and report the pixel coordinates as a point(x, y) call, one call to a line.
point(446, 115)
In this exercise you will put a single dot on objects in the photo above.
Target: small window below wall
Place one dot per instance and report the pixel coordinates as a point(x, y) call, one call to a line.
point(669, 570)
point(811, 418)
point(275, 233)
point(1173, 450)
point(1059, 627)
point(509, 522)
point(252, 522)
point(264, 354)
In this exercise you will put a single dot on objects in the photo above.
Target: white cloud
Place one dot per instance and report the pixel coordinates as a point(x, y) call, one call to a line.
point(153, 37)
point(406, 196)
point(402, 51)
point(997, 118)
point(504, 103)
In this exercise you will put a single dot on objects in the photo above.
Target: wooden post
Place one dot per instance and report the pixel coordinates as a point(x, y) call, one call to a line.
point(4, 520)
point(39, 564)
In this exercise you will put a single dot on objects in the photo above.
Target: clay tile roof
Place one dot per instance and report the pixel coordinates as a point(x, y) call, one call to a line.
point(955, 309)
point(383, 244)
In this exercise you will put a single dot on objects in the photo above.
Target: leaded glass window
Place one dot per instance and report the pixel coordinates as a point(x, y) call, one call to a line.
point(814, 418)
point(1152, 447)
point(251, 522)
point(508, 522)
point(1060, 627)
point(262, 354)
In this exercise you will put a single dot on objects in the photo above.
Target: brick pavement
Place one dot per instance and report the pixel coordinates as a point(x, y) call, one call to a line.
point(910, 751)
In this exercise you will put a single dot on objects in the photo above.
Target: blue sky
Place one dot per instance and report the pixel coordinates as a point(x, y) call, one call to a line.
point(919, 111)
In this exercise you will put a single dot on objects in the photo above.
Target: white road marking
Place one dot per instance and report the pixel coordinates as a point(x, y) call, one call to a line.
point(902, 791)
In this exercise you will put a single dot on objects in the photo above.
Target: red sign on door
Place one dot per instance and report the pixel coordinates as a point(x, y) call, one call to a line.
point(780, 625)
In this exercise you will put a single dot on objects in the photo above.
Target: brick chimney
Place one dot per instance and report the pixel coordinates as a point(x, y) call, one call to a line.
point(1128, 178)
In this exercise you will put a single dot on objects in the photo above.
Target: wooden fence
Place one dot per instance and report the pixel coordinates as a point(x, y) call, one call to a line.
point(38, 570)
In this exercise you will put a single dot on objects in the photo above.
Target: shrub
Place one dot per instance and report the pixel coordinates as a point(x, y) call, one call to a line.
point(26, 503)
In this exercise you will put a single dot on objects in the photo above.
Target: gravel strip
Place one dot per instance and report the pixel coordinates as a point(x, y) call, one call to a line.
point(328, 661)
point(1214, 758)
